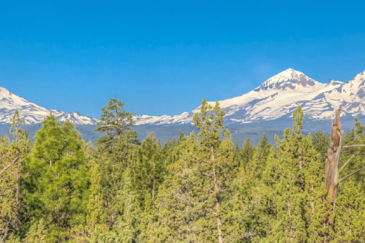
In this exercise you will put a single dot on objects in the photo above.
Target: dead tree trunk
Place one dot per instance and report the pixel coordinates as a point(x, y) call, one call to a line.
point(332, 162)
point(333, 157)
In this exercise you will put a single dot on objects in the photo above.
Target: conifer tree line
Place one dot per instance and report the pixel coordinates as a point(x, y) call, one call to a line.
point(196, 188)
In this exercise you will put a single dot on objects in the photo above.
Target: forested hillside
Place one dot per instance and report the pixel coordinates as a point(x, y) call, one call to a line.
point(200, 187)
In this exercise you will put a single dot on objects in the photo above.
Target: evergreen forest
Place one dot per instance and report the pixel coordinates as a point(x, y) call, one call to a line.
point(200, 187)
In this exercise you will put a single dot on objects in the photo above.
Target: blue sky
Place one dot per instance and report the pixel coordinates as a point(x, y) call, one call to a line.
point(164, 57)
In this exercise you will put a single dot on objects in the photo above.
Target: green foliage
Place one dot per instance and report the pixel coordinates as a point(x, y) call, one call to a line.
point(115, 153)
point(36, 233)
point(350, 201)
point(178, 207)
point(116, 123)
point(210, 123)
point(321, 142)
point(148, 171)
point(296, 180)
point(192, 189)
point(245, 155)
point(57, 179)
point(12, 155)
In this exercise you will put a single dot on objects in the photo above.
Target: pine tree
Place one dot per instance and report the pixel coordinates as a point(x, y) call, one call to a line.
point(94, 230)
point(349, 213)
point(257, 163)
point(320, 142)
point(12, 155)
point(116, 152)
point(246, 204)
point(95, 200)
point(316, 210)
point(116, 123)
point(246, 153)
point(8, 183)
point(36, 233)
point(295, 180)
point(178, 206)
point(127, 227)
point(216, 167)
point(148, 173)
point(57, 179)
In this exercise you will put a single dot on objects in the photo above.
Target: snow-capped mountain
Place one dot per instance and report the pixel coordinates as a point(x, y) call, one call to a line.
point(32, 113)
point(275, 98)
point(278, 96)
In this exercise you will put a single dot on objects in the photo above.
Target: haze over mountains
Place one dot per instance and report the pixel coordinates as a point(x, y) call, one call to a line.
point(275, 98)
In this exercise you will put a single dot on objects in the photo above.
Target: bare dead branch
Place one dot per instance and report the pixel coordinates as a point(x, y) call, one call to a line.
point(344, 165)
point(353, 173)
point(87, 238)
point(355, 145)
point(6, 231)
point(7, 167)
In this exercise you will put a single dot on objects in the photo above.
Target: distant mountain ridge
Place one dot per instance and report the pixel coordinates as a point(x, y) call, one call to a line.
point(279, 96)
point(276, 98)
point(33, 113)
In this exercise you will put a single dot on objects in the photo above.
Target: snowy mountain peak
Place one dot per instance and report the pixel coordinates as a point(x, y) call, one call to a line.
point(359, 77)
point(355, 86)
point(290, 73)
point(280, 95)
point(33, 113)
point(4, 92)
point(289, 79)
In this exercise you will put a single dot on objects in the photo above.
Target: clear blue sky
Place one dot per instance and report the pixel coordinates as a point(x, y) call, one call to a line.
point(163, 57)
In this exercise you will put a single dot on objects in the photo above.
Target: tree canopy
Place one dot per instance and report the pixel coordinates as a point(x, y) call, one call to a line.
point(195, 188)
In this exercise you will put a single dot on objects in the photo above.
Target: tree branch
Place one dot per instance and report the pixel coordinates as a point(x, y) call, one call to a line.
point(7, 167)
point(6, 231)
point(87, 238)
point(356, 145)
point(344, 165)
point(353, 173)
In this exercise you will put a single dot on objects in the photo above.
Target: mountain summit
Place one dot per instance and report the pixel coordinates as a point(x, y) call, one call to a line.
point(289, 79)
point(32, 113)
